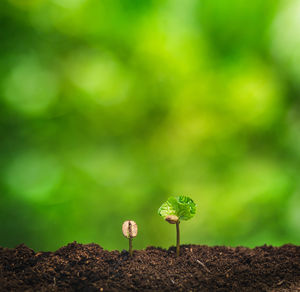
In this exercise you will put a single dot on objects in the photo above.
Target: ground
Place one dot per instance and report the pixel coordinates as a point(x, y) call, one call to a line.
point(88, 267)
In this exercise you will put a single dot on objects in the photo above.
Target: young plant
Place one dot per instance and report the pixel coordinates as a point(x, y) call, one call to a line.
point(176, 209)
point(130, 229)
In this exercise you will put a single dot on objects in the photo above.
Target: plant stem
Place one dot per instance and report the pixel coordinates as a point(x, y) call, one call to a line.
point(130, 246)
point(177, 238)
point(130, 239)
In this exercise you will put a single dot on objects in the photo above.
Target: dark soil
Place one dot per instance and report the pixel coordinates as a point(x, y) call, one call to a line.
point(78, 267)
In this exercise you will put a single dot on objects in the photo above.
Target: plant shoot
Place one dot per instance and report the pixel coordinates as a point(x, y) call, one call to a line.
point(130, 230)
point(176, 209)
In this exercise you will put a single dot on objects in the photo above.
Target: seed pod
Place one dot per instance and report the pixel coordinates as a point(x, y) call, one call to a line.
point(129, 229)
point(172, 219)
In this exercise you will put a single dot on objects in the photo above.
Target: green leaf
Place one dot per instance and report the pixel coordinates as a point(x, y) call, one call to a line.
point(183, 207)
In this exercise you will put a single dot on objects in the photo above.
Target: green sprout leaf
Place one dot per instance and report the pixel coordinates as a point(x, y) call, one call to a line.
point(183, 207)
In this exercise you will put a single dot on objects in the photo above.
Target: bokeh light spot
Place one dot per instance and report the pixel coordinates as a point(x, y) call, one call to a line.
point(30, 88)
point(286, 37)
point(254, 96)
point(33, 175)
point(100, 77)
point(69, 3)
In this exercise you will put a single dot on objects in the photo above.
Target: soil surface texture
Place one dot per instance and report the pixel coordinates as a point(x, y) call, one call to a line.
point(88, 267)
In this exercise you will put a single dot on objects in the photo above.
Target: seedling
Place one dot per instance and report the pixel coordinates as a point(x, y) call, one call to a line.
point(130, 229)
point(176, 209)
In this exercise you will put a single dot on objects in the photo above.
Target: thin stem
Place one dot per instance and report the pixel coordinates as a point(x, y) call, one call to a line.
point(177, 238)
point(130, 246)
point(130, 238)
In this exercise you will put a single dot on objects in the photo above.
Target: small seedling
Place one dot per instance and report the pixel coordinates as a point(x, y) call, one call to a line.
point(130, 229)
point(176, 209)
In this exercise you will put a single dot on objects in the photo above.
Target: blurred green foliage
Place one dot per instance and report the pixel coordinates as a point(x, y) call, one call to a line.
point(109, 107)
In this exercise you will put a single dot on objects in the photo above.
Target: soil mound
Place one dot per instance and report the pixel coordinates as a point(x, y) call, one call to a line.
point(88, 267)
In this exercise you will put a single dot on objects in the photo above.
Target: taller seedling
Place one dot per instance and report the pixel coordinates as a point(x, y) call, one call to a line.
point(176, 209)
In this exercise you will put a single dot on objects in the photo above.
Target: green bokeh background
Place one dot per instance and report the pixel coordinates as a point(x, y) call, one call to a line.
point(108, 107)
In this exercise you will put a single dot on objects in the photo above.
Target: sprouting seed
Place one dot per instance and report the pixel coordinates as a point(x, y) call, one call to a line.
point(130, 230)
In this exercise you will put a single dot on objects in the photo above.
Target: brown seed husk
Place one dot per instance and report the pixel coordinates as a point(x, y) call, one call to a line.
point(172, 219)
point(129, 229)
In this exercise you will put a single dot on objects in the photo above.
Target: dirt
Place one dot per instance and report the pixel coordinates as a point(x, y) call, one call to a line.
point(80, 267)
